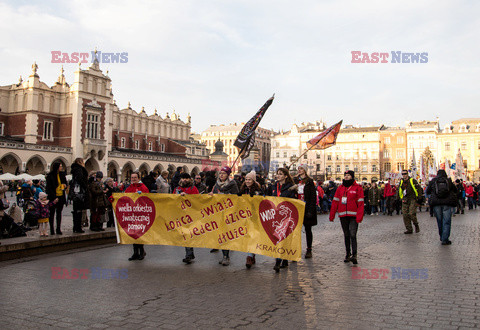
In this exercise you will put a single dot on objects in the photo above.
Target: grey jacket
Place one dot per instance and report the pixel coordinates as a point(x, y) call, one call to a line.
point(162, 185)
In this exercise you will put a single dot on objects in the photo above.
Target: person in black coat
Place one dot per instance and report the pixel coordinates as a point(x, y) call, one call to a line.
point(443, 199)
point(308, 194)
point(250, 187)
point(176, 179)
point(150, 181)
point(55, 188)
point(78, 193)
point(283, 187)
point(210, 180)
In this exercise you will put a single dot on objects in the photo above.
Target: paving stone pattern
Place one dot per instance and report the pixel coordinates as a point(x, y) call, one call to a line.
point(319, 293)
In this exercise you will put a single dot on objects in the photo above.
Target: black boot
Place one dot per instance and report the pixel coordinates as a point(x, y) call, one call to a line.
point(347, 257)
point(353, 259)
point(135, 253)
point(308, 254)
point(284, 264)
point(141, 252)
point(277, 266)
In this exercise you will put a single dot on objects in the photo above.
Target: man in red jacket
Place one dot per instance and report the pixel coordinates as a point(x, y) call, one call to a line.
point(388, 194)
point(349, 204)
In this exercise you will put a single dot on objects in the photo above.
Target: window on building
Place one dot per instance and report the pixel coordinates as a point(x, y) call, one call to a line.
point(318, 168)
point(305, 156)
point(355, 156)
point(400, 154)
point(162, 147)
point(400, 166)
point(387, 140)
point(150, 146)
point(364, 168)
point(93, 121)
point(447, 146)
point(374, 168)
point(137, 144)
point(122, 142)
point(347, 168)
point(285, 155)
point(329, 157)
point(329, 169)
point(318, 154)
point(338, 169)
point(355, 168)
point(364, 156)
point(465, 166)
point(47, 130)
point(386, 153)
point(277, 154)
point(478, 145)
point(399, 139)
point(388, 167)
point(463, 145)
point(2, 125)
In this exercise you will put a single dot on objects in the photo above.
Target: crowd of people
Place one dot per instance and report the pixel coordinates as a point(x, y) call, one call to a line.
point(43, 202)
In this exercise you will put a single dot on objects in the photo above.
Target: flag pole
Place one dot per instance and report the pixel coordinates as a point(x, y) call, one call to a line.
point(239, 154)
point(288, 167)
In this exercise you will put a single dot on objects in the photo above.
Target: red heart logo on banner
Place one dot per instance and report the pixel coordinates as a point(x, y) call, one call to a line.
point(278, 221)
point(137, 217)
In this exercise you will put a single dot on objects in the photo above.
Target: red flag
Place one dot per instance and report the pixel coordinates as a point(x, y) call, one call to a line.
point(325, 139)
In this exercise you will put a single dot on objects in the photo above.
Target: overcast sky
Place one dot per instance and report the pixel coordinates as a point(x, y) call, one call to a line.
point(221, 60)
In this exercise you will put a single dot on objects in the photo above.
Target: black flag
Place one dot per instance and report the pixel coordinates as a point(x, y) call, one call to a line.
point(246, 138)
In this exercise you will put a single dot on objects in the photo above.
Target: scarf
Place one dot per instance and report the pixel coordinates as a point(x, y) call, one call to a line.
point(348, 183)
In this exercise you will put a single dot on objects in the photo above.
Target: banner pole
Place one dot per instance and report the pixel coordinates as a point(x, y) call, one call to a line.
point(288, 167)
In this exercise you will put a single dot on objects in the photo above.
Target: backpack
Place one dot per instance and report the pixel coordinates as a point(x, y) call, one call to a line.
point(442, 187)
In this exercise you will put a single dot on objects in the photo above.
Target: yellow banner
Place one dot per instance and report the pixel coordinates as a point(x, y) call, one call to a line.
point(271, 226)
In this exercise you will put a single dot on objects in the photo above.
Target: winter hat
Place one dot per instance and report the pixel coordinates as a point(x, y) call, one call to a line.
point(99, 174)
point(252, 175)
point(352, 174)
point(226, 169)
point(457, 181)
point(304, 166)
point(42, 196)
point(185, 176)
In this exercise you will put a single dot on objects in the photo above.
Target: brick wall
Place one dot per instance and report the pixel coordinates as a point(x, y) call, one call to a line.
point(14, 124)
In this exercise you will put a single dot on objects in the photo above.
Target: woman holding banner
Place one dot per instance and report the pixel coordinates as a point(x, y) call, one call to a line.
point(348, 202)
point(284, 187)
point(251, 187)
point(225, 185)
point(307, 193)
point(137, 187)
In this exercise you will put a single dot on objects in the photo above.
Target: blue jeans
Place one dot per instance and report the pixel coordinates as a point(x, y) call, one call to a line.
point(443, 213)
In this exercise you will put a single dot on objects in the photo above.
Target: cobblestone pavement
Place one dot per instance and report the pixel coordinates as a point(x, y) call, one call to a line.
point(162, 292)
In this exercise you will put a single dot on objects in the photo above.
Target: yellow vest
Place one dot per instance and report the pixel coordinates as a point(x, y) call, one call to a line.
point(400, 191)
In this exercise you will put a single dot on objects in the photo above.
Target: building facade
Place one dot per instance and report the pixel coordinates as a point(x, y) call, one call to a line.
point(393, 150)
point(228, 133)
point(40, 125)
point(462, 136)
